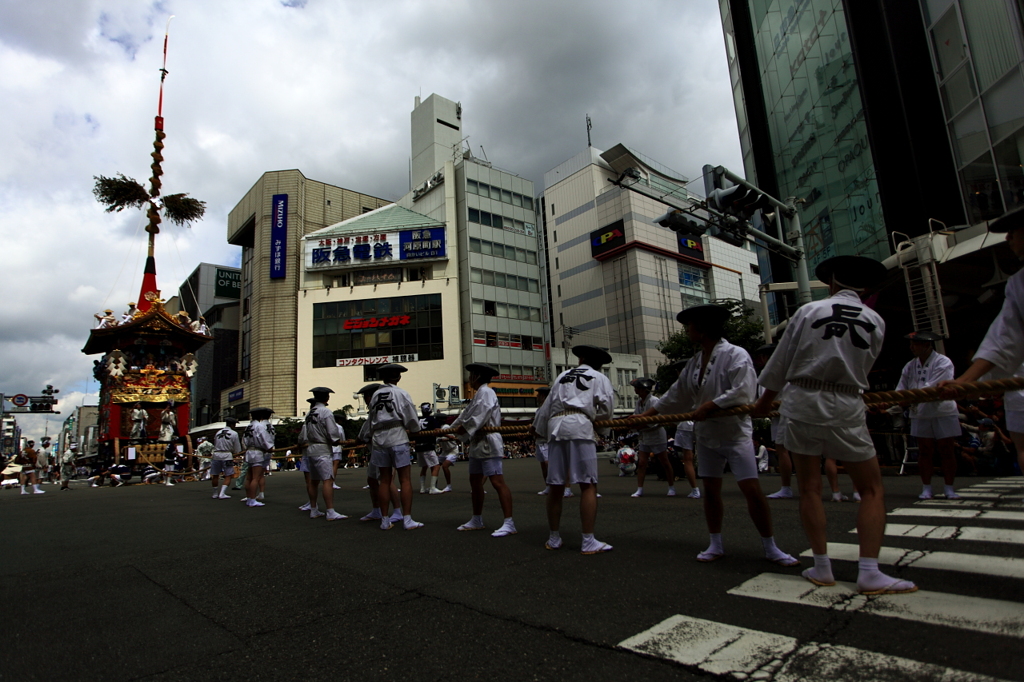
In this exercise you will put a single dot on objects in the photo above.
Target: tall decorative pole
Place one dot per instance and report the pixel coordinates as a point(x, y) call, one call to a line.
point(149, 288)
point(121, 192)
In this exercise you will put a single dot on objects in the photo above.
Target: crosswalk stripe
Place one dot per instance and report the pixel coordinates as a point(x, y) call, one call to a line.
point(1015, 537)
point(1006, 567)
point(952, 610)
point(994, 515)
point(970, 504)
point(722, 649)
point(989, 495)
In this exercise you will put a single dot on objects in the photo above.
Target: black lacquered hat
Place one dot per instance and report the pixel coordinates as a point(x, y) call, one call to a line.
point(1010, 221)
point(482, 369)
point(708, 312)
point(585, 352)
point(855, 272)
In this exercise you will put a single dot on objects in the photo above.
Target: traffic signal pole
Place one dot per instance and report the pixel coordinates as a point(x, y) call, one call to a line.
point(792, 232)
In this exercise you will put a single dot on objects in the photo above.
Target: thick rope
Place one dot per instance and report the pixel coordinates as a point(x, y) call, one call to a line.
point(906, 397)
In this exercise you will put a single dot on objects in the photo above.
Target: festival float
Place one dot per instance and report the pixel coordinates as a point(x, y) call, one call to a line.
point(148, 357)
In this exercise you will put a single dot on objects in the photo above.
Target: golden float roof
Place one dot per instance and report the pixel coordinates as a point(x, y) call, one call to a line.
point(155, 322)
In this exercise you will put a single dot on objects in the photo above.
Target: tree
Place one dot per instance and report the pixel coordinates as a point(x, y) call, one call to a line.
point(286, 432)
point(743, 329)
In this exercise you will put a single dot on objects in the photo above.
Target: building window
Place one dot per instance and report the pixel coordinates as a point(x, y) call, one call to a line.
point(754, 269)
point(693, 285)
point(408, 328)
point(556, 263)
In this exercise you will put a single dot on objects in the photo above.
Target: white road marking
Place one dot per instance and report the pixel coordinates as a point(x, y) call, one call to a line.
point(722, 649)
point(994, 515)
point(952, 610)
point(1006, 567)
point(1015, 537)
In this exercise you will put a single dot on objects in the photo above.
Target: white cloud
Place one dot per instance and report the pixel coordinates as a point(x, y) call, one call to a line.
point(323, 86)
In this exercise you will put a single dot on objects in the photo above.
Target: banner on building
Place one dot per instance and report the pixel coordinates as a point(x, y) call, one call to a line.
point(278, 235)
point(353, 251)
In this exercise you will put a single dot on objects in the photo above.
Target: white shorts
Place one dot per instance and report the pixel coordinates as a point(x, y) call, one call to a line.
point(222, 466)
point(841, 443)
point(488, 466)
point(452, 458)
point(777, 431)
point(320, 467)
point(572, 461)
point(302, 465)
point(684, 440)
point(336, 456)
point(396, 456)
point(427, 459)
point(656, 449)
point(1015, 421)
point(257, 459)
point(739, 455)
point(935, 427)
point(542, 451)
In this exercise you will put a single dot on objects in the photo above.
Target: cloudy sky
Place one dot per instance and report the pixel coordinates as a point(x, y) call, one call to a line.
point(325, 86)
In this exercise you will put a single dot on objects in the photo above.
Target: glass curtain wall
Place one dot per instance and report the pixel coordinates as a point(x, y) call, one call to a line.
point(977, 54)
point(818, 133)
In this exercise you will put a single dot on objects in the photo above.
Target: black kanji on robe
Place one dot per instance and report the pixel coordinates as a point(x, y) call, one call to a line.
point(845, 318)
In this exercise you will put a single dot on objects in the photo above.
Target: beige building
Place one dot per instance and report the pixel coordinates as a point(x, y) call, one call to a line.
point(617, 279)
point(380, 288)
point(269, 223)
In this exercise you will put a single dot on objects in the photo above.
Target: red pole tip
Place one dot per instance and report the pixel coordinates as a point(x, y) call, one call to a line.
point(158, 124)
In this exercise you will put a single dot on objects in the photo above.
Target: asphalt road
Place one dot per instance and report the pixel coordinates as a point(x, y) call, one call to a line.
point(165, 583)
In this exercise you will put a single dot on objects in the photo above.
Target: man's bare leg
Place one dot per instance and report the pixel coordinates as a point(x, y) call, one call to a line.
point(926, 465)
point(714, 512)
point(785, 473)
point(761, 514)
point(832, 474)
point(670, 474)
point(404, 480)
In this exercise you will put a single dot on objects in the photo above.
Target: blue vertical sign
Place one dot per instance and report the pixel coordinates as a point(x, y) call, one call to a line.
point(278, 235)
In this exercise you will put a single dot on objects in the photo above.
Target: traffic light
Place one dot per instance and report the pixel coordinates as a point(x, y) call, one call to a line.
point(738, 201)
point(734, 237)
point(682, 223)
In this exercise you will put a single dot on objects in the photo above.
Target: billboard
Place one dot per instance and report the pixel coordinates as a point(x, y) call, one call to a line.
point(607, 238)
point(278, 235)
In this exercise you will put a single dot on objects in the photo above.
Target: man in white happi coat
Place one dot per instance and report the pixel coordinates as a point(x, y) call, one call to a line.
point(319, 433)
point(541, 444)
point(258, 439)
point(1001, 353)
point(392, 417)
point(226, 447)
point(372, 470)
point(935, 425)
point(485, 450)
point(822, 362)
point(579, 397)
point(653, 442)
point(168, 424)
point(67, 465)
point(785, 464)
point(130, 314)
point(426, 452)
point(718, 377)
point(139, 418)
point(447, 447)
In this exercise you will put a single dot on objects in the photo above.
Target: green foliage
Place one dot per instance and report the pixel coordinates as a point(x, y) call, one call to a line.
point(349, 426)
point(119, 193)
point(742, 329)
point(182, 209)
point(286, 432)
